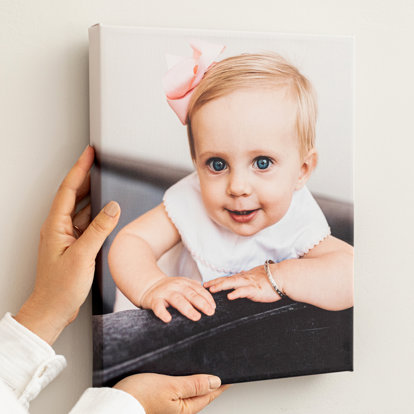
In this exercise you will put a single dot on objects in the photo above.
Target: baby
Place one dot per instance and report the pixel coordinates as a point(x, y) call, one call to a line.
point(245, 218)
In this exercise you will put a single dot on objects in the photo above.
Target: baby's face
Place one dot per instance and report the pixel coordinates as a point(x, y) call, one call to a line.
point(247, 158)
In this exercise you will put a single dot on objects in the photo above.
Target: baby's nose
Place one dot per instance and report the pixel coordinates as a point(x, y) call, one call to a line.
point(238, 185)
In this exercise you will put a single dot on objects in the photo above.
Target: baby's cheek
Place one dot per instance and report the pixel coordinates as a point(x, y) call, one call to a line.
point(212, 199)
point(276, 204)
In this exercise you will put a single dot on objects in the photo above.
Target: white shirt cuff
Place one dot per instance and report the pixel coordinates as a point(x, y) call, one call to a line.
point(107, 401)
point(27, 363)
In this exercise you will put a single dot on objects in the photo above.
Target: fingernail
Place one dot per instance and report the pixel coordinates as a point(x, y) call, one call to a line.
point(83, 152)
point(111, 209)
point(214, 382)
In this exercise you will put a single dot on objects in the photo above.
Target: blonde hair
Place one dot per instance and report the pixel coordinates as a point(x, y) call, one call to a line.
point(263, 70)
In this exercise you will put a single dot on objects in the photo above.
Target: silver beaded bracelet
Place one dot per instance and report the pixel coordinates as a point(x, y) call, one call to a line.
point(271, 280)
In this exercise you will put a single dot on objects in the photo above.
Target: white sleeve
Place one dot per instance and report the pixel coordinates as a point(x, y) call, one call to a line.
point(27, 363)
point(9, 401)
point(107, 401)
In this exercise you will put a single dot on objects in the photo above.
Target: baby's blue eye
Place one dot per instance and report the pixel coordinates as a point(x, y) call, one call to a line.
point(262, 163)
point(216, 164)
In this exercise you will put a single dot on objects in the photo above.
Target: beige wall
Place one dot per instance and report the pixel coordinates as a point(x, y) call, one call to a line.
point(44, 126)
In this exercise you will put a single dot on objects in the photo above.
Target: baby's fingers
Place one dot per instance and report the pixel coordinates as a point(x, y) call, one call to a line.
point(199, 301)
point(232, 282)
point(214, 282)
point(180, 303)
point(242, 292)
point(205, 294)
point(160, 310)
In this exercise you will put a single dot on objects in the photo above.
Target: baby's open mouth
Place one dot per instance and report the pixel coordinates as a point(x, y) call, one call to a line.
point(241, 212)
point(242, 216)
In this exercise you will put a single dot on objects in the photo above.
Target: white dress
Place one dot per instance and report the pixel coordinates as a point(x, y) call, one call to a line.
point(209, 251)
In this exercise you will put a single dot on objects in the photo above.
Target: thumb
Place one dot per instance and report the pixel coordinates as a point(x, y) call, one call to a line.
point(196, 404)
point(94, 236)
point(196, 385)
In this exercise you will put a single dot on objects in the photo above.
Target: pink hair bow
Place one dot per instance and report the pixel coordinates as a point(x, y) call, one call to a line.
point(184, 74)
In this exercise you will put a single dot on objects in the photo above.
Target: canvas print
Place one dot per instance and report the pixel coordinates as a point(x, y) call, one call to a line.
point(230, 154)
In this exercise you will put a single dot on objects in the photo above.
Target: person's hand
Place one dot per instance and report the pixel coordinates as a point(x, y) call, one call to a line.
point(66, 265)
point(172, 395)
point(186, 295)
point(252, 284)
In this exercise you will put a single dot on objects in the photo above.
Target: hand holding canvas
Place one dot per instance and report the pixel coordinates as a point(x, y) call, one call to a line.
point(183, 395)
point(65, 270)
point(66, 265)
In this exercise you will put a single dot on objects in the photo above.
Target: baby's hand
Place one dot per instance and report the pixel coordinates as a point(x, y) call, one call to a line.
point(181, 293)
point(252, 284)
